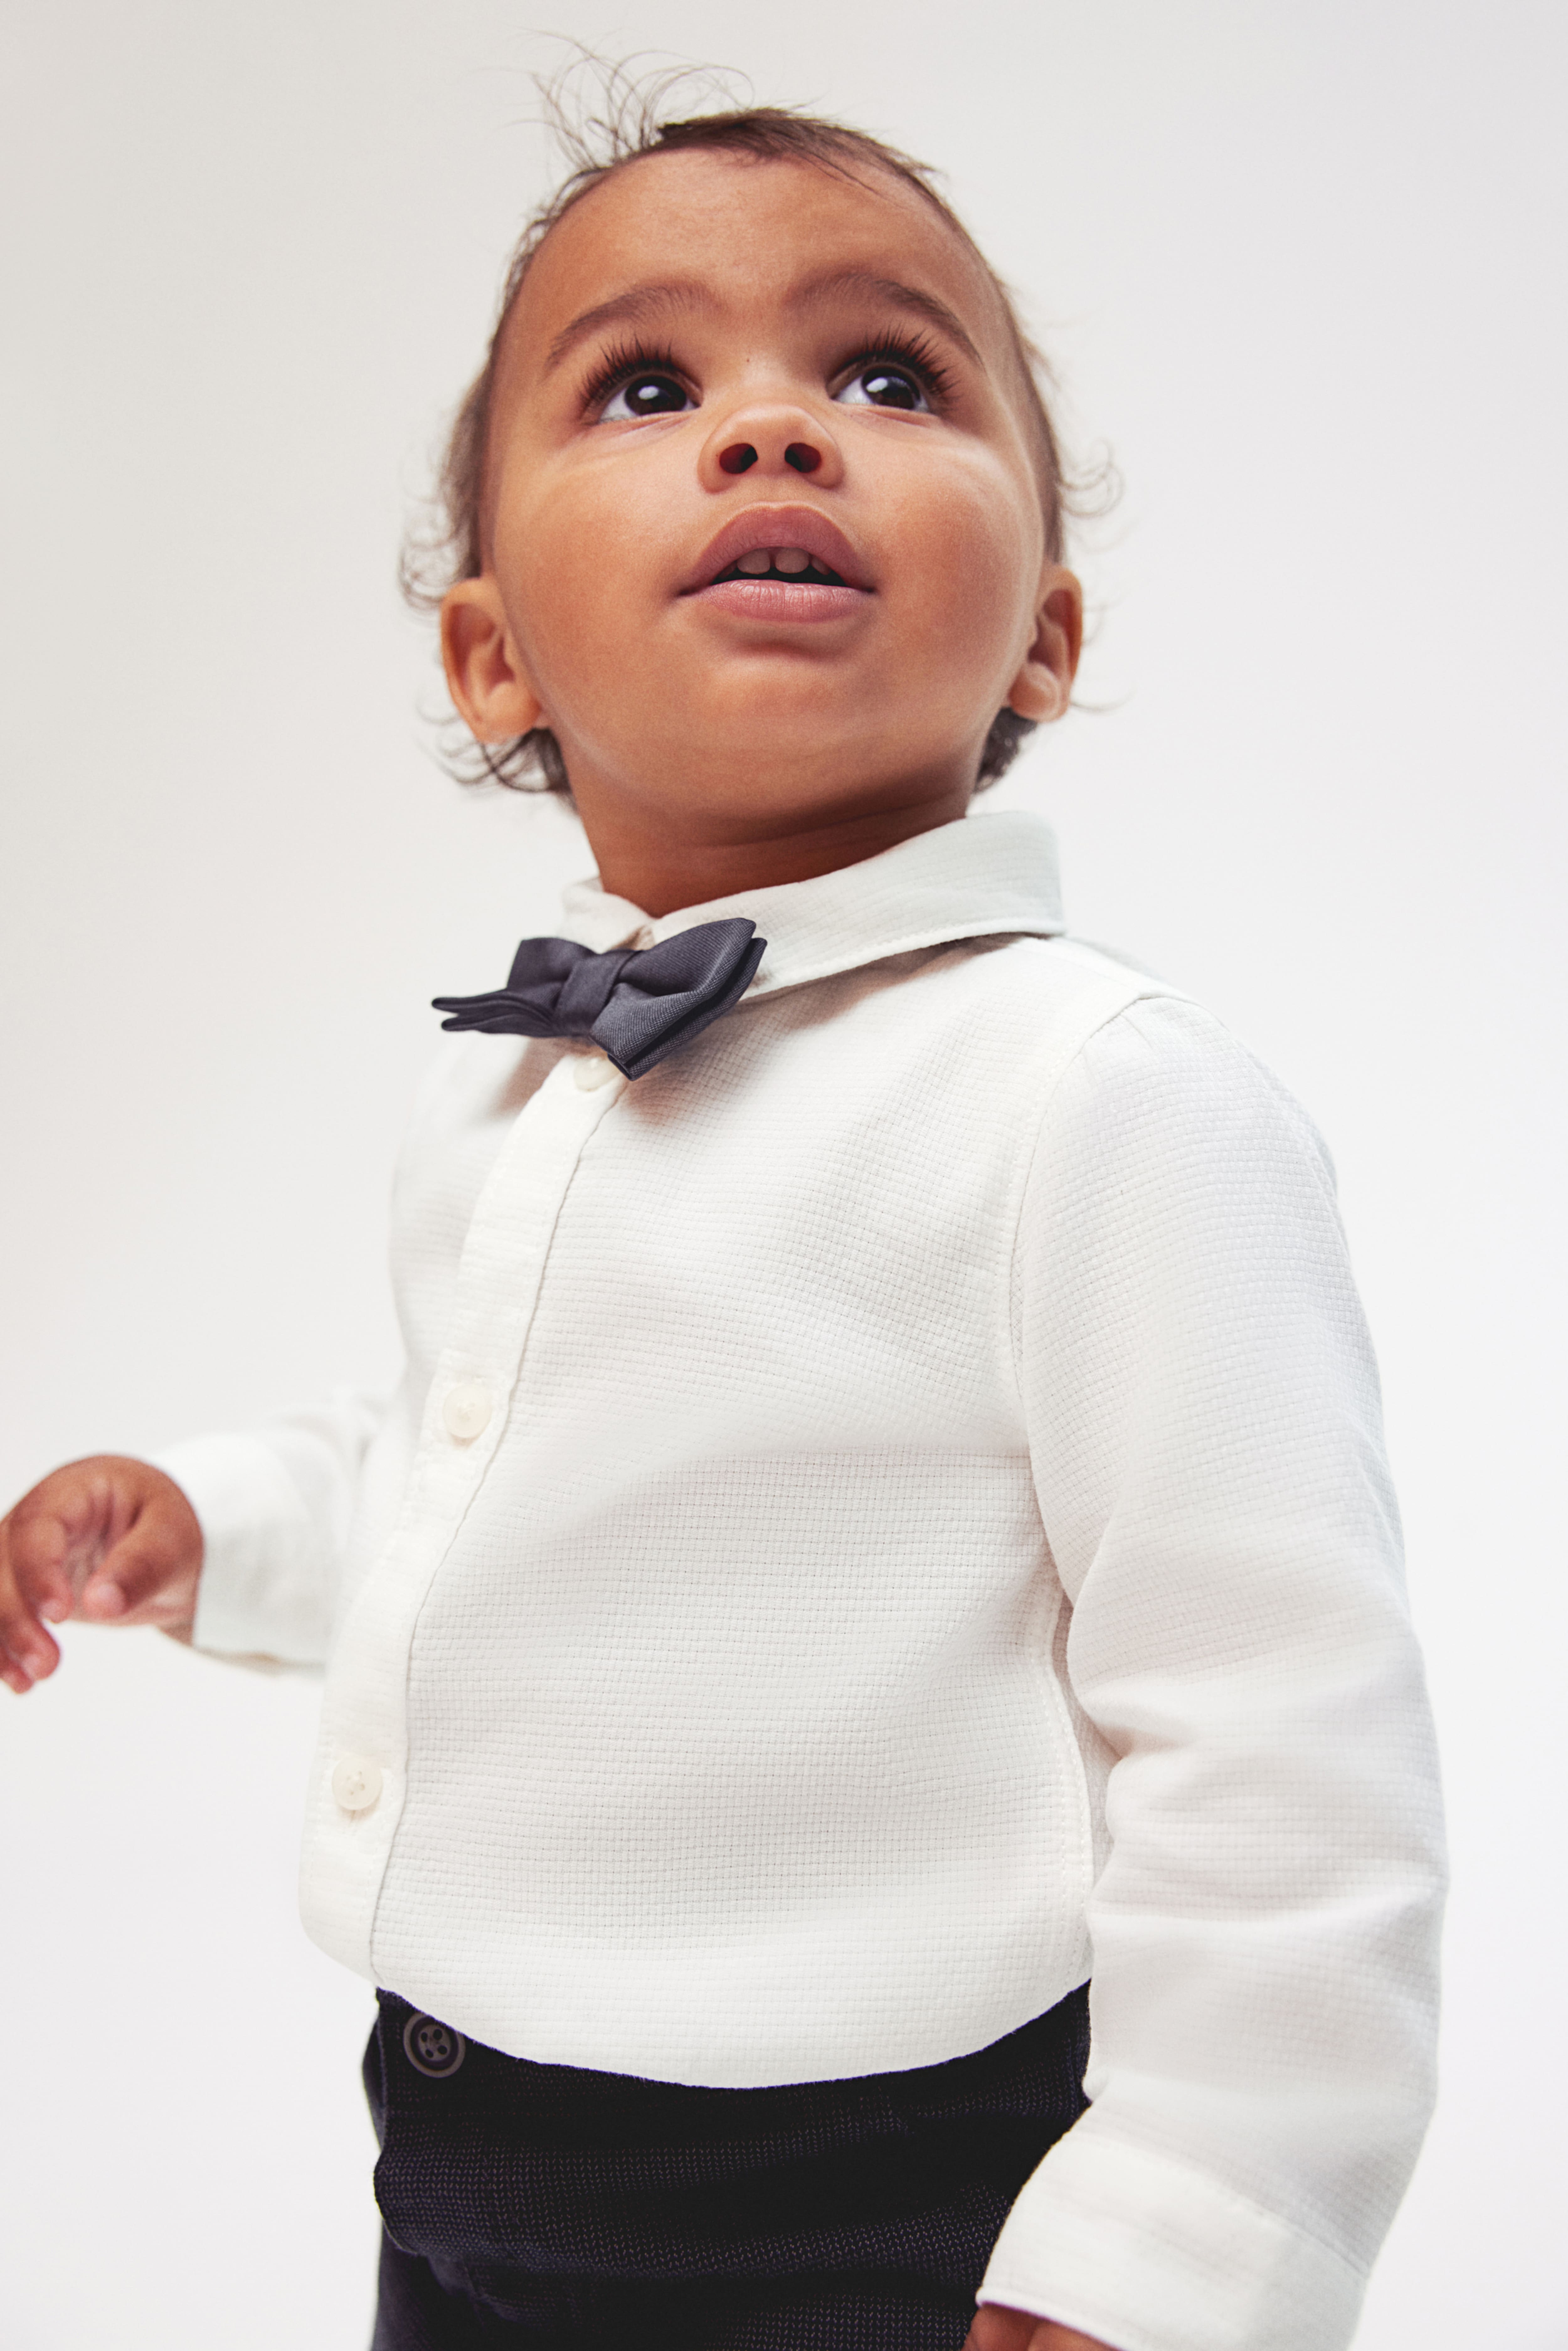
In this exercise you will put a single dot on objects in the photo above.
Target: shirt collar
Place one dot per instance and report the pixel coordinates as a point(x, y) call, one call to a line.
point(978, 877)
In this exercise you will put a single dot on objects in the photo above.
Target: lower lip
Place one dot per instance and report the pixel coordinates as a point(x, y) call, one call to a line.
point(783, 600)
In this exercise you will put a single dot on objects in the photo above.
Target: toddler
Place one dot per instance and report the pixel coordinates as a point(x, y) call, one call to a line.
point(872, 1746)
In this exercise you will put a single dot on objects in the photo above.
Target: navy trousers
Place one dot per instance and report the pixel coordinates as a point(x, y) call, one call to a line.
point(546, 2207)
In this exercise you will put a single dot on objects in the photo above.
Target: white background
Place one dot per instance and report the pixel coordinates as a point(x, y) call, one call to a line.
point(1301, 268)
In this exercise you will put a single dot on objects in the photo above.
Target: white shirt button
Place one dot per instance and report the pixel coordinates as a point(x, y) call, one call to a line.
point(356, 1782)
point(593, 1070)
point(467, 1409)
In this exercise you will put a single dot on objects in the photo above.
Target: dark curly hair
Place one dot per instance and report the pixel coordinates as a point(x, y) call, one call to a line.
point(630, 117)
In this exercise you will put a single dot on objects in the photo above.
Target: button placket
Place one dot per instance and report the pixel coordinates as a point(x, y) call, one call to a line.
point(504, 1258)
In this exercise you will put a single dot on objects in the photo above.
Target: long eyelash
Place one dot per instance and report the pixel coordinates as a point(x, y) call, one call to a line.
point(900, 347)
point(913, 350)
point(621, 362)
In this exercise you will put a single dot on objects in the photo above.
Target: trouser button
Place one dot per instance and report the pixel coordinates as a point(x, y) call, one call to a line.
point(432, 2047)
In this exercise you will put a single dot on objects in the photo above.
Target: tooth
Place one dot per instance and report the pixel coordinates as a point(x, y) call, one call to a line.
point(790, 559)
point(759, 560)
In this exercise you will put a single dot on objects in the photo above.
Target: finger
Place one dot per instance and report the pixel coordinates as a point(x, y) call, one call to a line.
point(15, 1677)
point(28, 1654)
point(996, 2328)
point(24, 1661)
point(39, 1540)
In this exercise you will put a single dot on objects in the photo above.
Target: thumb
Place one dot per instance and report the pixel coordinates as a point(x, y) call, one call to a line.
point(148, 1576)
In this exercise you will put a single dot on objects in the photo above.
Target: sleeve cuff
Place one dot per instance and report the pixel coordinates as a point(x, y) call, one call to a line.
point(261, 1594)
point(1147, 2254)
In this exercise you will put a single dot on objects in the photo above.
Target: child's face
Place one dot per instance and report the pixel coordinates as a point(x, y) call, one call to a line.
point(711, 358)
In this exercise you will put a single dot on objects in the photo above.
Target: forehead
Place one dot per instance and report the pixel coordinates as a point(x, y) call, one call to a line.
point(745, 234)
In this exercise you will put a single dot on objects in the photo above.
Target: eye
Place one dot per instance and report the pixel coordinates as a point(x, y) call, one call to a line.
point(883, 385)
point(649, 393)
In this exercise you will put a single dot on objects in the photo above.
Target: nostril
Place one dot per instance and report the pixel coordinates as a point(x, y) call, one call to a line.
point(738, 457)
point(802, 456)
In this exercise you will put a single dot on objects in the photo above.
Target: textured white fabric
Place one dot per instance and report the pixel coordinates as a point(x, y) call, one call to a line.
point(932, 1533)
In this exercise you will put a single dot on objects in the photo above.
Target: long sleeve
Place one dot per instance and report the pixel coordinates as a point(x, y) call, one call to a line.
point(1205, 1431)
point(275, 1506)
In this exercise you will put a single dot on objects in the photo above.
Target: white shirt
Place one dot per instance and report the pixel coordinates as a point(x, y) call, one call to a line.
point(885, 1515)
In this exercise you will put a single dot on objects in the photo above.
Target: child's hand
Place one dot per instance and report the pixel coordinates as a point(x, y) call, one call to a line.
point(111, 1541)
point(996, 2329)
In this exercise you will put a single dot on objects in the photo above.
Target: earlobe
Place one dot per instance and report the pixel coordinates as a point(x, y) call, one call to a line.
point(483, 674)
point(1043, 686)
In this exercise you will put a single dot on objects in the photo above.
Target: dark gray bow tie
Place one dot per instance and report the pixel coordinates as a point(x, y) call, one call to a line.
point(637, 1003)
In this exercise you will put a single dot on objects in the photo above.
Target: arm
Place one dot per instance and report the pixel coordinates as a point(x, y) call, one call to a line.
point(1205, 1428)
point(275, 1505)
point(230, 1543)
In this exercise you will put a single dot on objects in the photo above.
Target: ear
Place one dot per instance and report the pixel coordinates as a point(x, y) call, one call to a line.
point(483, 674)
point(1043, 686)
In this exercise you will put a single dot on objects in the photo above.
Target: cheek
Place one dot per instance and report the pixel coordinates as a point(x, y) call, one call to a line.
point(573, 557)
point(969, 545)
point(550, 586)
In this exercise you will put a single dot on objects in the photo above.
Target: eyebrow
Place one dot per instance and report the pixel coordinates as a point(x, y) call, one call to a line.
point(633, 308)
point(902, 297)
point(638, 304)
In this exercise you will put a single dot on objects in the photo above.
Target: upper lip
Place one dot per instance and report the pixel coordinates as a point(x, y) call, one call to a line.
point(760, 526)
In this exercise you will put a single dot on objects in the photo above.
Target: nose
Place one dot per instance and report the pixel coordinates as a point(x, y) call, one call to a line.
point(771, 438)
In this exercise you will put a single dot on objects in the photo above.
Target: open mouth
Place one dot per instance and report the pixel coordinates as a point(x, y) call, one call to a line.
point(788, 564)
point(772, 566)
point(771, 563)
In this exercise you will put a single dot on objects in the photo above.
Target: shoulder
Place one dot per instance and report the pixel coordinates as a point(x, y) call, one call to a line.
point(1059, 988)
point(1159, 1091)
point(1072, 1009)
point(1093, 1044)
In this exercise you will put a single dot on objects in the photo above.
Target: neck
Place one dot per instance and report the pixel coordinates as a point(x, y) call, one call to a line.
point(660, 871)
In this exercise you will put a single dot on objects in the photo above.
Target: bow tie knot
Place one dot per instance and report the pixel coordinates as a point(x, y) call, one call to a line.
point(638, 1004)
